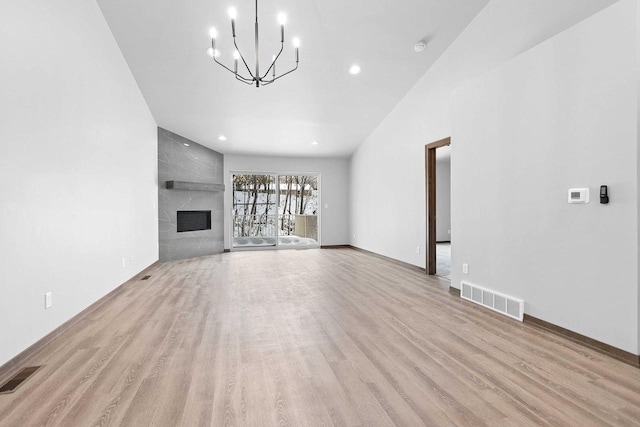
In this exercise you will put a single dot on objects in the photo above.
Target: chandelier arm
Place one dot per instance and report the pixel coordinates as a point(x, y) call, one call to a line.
point(231, 71)
point(242, 57)
point(266, 82)
point(274, 61)
point(244, 80)
point(224, 66)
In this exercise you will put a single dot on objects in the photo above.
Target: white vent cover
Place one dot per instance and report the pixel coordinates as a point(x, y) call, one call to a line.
point(509, 306)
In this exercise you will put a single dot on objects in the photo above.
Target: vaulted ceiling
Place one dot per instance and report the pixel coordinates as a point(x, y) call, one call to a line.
point(165, 41)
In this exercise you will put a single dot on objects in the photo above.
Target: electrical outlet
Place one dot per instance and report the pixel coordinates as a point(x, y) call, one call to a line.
point(326, 205)
point(47, 300)
point(124, 262)
point(449, 231)
point(354, 235)
point(465, 268)
point(418, 250)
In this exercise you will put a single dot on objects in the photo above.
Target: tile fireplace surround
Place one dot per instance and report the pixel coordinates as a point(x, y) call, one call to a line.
point(191, 164)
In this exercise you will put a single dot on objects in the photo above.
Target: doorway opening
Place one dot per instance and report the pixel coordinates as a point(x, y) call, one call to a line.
point(275, 211)
point(438, 199)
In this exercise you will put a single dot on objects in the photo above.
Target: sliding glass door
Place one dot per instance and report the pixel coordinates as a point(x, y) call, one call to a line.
point(298, 210)
point(254, 211)
point(271, 210)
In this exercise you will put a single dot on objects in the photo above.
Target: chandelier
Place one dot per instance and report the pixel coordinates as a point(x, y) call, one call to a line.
point(255, 77)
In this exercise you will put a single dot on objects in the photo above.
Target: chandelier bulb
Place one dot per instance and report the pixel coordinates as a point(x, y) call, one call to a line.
point(233, 13)
point(282, 18)
point(213, 33)
point(236, 55)
point(211, 52)
point(296, 42)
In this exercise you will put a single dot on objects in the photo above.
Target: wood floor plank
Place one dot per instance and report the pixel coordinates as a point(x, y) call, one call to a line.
point(334, 337)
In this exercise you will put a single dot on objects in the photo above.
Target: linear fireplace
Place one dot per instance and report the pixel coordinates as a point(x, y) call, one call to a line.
point(194, 220)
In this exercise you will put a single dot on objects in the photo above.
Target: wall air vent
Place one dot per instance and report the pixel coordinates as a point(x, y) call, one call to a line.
point(504, 304)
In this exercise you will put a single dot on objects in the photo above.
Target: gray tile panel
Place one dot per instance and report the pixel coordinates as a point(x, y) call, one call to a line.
point(194, 163)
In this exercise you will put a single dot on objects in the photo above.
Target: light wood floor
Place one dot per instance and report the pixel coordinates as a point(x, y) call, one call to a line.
point(315, 337)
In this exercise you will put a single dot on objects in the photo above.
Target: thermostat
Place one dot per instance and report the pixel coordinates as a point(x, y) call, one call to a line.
point(578, 195)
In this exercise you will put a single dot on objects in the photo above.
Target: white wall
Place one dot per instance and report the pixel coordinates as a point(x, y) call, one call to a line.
point(500, 32)
point(443, 198)
point(79, 166)
point(388, 168)
point(334, 187)
point(561, 115)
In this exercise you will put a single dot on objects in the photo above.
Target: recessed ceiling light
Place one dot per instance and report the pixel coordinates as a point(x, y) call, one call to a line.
point(186, 145)
point(314, 143)
point(355, 69)
point(222, 138)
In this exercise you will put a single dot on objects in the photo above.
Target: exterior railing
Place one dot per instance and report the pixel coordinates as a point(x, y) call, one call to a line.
point(258, 225)
point(263, 225)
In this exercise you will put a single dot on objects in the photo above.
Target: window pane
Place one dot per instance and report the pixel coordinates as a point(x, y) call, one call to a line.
point(254, 210)
point(298, 210)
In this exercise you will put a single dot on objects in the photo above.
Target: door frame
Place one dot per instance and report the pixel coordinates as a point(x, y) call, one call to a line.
point(430, 198)
point(277, 175)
